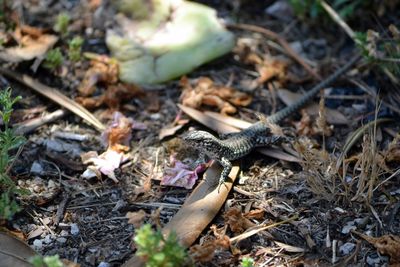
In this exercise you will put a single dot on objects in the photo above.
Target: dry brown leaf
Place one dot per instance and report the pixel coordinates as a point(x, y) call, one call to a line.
point(203, 253)
point(386, 245)
point(90, 102)
point(255, 214)
point(236, 221)
point(116, 94)
point(309, 127)
point(32, 43)
point(14, 252)
point(207, 120)
point(136, 218)
point(207, 93)
point(272, 68)
point(103, 69)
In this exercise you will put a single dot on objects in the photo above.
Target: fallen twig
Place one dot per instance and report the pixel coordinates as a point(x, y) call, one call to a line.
point(29, 126)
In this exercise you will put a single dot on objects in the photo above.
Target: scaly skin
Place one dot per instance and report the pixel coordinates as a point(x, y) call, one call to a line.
point(236, 145)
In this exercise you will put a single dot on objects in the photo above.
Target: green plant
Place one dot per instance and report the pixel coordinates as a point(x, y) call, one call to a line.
point(312, 8)
point(247, 262)
point(306, 8)
point(8, 142)
point(53, 59)
point(62, 22)
point(74, 48)
point(46, 261)
point(384, 50)
point(158, 251)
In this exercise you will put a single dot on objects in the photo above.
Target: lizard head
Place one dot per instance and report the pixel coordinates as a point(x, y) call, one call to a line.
point(202, 140)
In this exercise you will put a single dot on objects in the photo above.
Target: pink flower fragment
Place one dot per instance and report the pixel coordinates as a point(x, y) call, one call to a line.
point(180, 174)
point(117, 136)
point(104, 163)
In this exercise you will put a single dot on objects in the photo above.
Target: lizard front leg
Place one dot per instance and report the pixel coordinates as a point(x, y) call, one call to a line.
point(227, 167)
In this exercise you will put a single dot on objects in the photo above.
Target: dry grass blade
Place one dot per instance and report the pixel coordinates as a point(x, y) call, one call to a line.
point(56, 96)
point(259, 228)
point(335, 16)
point(355, 136)
point(289, 248)
point(319, 171)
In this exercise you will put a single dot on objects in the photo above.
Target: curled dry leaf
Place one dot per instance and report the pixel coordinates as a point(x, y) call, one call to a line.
point(268, 67)
point(236, 221)
point(206, 92)
point(105, 70)
point(32, 43)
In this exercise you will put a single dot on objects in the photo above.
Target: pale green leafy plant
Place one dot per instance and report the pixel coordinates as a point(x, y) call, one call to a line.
point(157, 251)
point(9, 141)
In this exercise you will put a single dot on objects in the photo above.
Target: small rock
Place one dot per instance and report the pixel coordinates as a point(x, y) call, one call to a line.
point(346, 248)
point(104, 264)
point(61, 240)
point(38, 244)
point(37, 168)
point(373, 261)
point(348, 227)
point(48, 239)
point(155, 116)
point(52, 184)
point(74, 229)
point(64, 233)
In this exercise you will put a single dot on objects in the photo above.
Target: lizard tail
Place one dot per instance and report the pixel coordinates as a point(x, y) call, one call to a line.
point(284, 113)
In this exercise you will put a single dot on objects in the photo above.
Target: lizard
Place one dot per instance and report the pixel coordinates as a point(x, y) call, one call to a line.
point(236, 145)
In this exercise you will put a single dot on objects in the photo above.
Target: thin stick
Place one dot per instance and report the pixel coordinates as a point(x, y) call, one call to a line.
point(29, 126)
